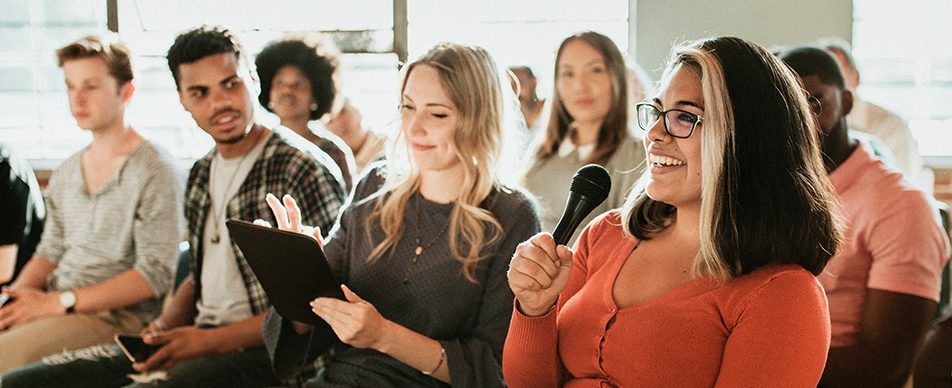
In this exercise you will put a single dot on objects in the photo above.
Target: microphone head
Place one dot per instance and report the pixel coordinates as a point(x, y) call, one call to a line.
point(592, 181)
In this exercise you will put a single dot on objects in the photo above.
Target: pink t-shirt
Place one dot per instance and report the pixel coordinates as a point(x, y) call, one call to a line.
point(893, 242)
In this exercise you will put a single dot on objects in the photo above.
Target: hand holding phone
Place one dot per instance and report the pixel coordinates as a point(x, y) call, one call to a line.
point(135, 348)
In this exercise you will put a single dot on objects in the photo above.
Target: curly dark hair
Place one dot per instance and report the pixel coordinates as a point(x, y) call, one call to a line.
point(318, 60)
point(193, 45)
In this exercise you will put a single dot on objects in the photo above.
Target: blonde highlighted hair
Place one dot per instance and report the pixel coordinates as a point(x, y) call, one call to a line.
point(471, 79)
point(765, 196)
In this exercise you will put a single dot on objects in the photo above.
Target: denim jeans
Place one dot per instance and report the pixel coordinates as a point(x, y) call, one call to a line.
point(107, 366)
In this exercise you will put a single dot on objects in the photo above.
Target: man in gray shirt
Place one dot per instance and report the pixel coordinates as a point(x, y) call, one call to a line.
point(110, 243)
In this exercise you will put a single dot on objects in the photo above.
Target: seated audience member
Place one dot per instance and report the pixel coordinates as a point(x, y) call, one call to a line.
point(423, 247)
point(696, 281)
point(588, 124)
point(934, 363)
point(21, 214)
point(210, 334)
point(367, 145)
point(110, 242)
point(883, 284)
point(299, 83)
point(529, 102)
point(874, 119)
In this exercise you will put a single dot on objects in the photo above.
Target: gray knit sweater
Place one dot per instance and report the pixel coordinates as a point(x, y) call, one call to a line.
point(430, 297)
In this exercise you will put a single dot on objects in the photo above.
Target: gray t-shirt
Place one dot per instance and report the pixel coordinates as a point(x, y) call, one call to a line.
point(429, 295)
point(225, 300)
point(134, 221)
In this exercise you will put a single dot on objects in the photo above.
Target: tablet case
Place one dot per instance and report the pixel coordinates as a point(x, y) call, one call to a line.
point(291, 268)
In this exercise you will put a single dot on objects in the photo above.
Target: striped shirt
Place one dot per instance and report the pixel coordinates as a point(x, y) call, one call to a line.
point(133, 222)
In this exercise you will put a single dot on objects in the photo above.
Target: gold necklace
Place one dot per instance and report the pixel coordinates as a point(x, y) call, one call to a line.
point(420, 247)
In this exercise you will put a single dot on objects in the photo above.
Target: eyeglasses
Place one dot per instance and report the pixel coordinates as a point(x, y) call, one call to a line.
point(677, 123)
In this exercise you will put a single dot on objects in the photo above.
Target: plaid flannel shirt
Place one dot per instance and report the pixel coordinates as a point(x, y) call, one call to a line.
point(288, 164)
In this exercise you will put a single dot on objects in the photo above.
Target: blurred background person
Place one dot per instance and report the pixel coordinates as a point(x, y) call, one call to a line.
point(367, 145)
point(110, 243)
point(588, 124)
point(531, 105)
point(883, 284)
point(300, 84)
point(878, 121)
point(22, 214)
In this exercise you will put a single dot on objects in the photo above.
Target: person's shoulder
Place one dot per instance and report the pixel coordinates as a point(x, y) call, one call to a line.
point(283, 141)
point(513, 204)
point(370, 181)
point(156, 159)
point(885, 186)
point(629, 153)
point(779, 281)
point(606, 227)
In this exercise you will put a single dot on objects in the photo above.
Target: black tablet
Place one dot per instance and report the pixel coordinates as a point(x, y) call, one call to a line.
point(291, 268)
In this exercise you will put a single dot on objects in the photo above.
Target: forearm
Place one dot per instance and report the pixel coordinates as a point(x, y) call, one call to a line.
point(122, 290)
point(181, 311)
point(416, 350)
point(8, 262)
point(863, 366)
point(237, 336)
point(34, 274)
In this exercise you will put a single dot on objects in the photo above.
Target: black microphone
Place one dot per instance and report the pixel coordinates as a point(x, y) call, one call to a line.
point(590, 187)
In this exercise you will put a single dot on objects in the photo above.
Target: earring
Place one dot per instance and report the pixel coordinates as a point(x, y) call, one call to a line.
point(313, 106)
point(270, 104)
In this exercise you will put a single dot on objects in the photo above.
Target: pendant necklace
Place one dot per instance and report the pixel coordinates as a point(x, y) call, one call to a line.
point(420, 247)
point(219, 211)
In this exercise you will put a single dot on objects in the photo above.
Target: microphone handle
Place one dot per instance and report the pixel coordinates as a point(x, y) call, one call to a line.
point(577, 207)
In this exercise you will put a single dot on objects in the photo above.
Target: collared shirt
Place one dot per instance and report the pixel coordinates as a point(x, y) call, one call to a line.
point(287, 165)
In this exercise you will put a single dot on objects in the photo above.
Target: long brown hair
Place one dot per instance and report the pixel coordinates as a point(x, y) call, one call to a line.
point(471, 79)
point(615, 126)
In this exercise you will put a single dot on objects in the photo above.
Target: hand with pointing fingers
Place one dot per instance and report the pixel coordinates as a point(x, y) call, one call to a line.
point(288, 216)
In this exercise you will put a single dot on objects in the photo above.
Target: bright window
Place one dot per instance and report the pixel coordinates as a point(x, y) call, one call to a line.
point(904, 53)
point(33, 104)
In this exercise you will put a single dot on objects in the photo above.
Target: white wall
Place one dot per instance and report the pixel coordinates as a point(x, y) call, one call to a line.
point(659, 24)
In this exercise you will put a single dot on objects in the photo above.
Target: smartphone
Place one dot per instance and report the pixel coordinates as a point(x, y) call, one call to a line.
point(135, 348)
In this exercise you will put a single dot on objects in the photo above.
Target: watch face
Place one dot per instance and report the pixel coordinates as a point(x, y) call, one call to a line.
point(67, 299)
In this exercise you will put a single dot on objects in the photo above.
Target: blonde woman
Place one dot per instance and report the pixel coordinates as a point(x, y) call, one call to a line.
point(422, 251)
point(706, 277)
point(588, 124)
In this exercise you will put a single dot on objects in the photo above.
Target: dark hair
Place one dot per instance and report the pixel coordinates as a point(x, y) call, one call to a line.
point(765, 196)
point(811, 60)
point(615, 126)
point(318, 60)
point(114, 53)
point(193, 45)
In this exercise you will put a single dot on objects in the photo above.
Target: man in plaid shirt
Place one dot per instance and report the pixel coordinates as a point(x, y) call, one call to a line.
point(211, 333)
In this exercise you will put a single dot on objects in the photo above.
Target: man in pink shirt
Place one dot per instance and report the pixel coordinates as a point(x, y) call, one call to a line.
point(883, 283)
